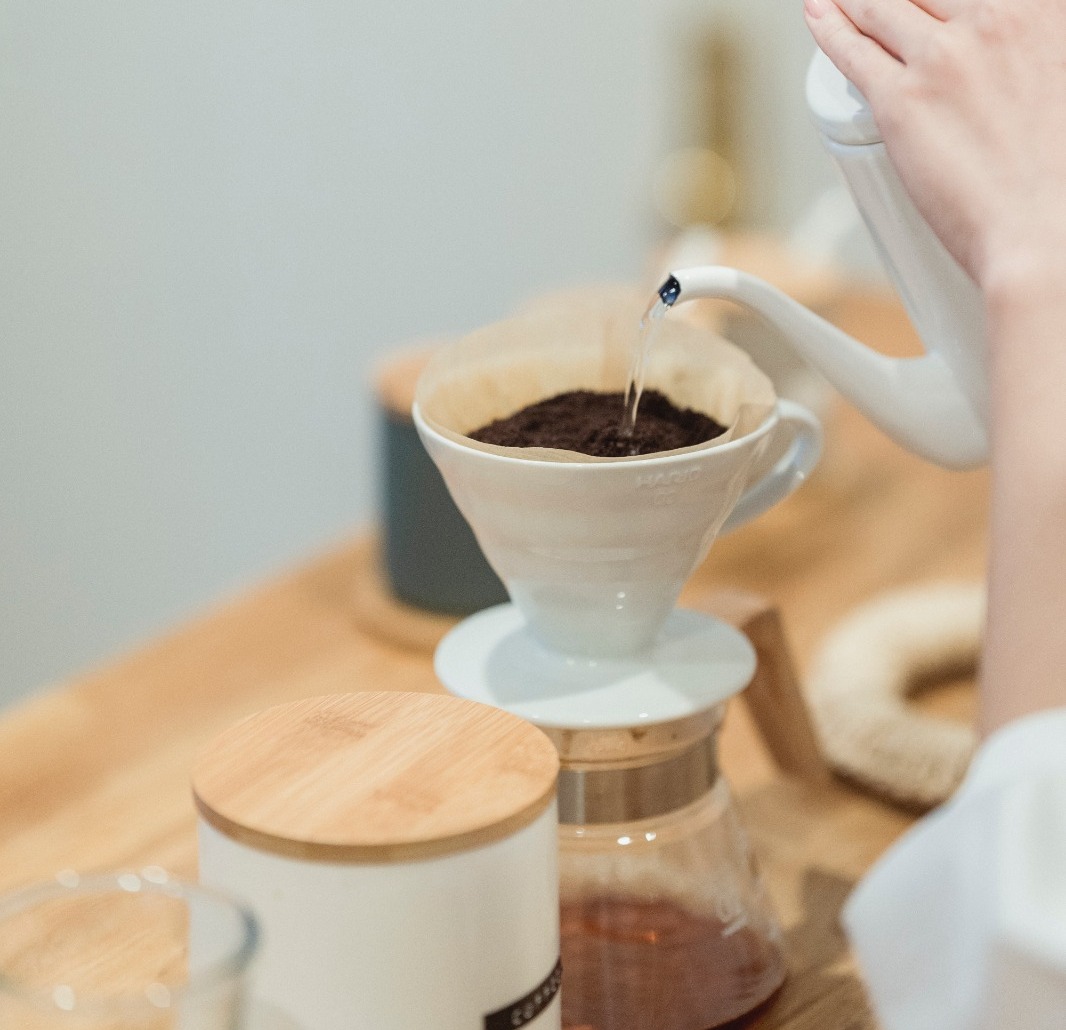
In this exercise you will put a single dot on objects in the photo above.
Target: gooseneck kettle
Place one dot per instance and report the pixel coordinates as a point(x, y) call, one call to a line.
point(934, 405)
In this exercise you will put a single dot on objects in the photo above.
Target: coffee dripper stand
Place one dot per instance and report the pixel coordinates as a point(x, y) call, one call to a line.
point(665, 921)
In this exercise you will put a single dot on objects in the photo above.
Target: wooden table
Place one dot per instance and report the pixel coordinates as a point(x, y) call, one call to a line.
point(94, 774)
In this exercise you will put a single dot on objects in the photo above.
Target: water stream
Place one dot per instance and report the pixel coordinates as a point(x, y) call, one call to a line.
point(649, 328)
point(665, 299)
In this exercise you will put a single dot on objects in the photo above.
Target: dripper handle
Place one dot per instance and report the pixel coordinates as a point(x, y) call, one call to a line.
point(790, 470)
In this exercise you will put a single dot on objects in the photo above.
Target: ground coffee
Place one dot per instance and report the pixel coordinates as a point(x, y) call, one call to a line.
point(591, 423)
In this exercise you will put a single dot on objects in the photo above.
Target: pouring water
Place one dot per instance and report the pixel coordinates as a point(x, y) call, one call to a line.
point(648, 330)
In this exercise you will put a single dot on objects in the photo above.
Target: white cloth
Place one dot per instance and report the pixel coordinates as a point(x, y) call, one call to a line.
point(962, 924)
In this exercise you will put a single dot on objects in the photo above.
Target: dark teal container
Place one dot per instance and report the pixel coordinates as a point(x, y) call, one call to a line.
point(431, 557)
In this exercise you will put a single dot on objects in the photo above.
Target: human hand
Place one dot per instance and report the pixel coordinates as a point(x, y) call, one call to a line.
point(970, 97)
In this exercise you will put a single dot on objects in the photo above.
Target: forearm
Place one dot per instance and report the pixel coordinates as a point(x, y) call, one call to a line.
point(1024, 668)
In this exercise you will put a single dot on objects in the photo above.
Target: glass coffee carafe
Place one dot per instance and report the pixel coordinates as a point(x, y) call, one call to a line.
point(665, 922)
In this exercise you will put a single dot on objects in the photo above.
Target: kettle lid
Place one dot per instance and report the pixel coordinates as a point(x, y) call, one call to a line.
point(839, 109)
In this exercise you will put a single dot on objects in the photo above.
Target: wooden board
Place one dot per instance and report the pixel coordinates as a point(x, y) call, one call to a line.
point(95, 774)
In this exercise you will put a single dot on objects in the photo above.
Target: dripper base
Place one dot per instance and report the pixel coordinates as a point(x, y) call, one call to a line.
point(694, 664)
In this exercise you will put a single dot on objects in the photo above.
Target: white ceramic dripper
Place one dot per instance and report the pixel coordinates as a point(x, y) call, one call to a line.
point(595, 552)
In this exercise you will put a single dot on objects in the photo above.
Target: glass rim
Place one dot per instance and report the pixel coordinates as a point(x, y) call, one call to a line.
point(151, 880)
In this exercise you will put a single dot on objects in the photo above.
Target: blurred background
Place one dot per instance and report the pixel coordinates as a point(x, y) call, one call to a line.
point(216, 219)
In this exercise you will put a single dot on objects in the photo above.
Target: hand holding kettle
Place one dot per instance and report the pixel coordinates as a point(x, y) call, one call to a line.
point(970, 96)
point(958, 165)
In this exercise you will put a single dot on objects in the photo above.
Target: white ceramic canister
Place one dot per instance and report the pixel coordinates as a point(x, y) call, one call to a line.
point(400, 852)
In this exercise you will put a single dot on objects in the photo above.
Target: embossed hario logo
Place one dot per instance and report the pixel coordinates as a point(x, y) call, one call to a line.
point(672, 477)
point(522, 1012)
point(663, 485)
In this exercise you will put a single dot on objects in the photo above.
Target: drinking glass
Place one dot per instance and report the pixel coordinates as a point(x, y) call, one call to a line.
point(130, 951)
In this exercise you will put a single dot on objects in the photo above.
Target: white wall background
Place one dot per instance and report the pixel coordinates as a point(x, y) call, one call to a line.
point(214, 218)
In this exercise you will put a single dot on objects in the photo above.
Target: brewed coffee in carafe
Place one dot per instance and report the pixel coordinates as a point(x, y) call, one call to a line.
point(665, 922)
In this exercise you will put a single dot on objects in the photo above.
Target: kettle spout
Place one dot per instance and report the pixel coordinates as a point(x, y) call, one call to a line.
point(916, 401)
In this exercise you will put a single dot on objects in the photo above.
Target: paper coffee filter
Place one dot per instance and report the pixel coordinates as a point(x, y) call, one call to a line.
point(553, 348)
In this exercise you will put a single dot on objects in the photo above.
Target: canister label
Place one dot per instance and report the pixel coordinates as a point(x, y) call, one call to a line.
point(525, 1010)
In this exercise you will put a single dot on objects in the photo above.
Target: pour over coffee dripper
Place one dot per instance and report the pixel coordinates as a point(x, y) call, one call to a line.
point(592, 649)
point(594, 552)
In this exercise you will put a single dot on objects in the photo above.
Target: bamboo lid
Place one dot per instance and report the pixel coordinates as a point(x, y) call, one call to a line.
point(375, 777)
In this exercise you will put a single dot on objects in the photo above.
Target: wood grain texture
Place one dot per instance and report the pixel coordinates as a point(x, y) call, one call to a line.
point(94, 774)
point(375, 776)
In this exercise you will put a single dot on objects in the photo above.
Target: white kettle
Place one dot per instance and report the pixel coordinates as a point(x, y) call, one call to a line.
point(935, 405)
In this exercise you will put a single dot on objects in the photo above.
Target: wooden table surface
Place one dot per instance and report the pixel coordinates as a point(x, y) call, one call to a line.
point(94, 774)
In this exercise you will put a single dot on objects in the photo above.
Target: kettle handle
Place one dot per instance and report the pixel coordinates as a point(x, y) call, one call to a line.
point(789, 471)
